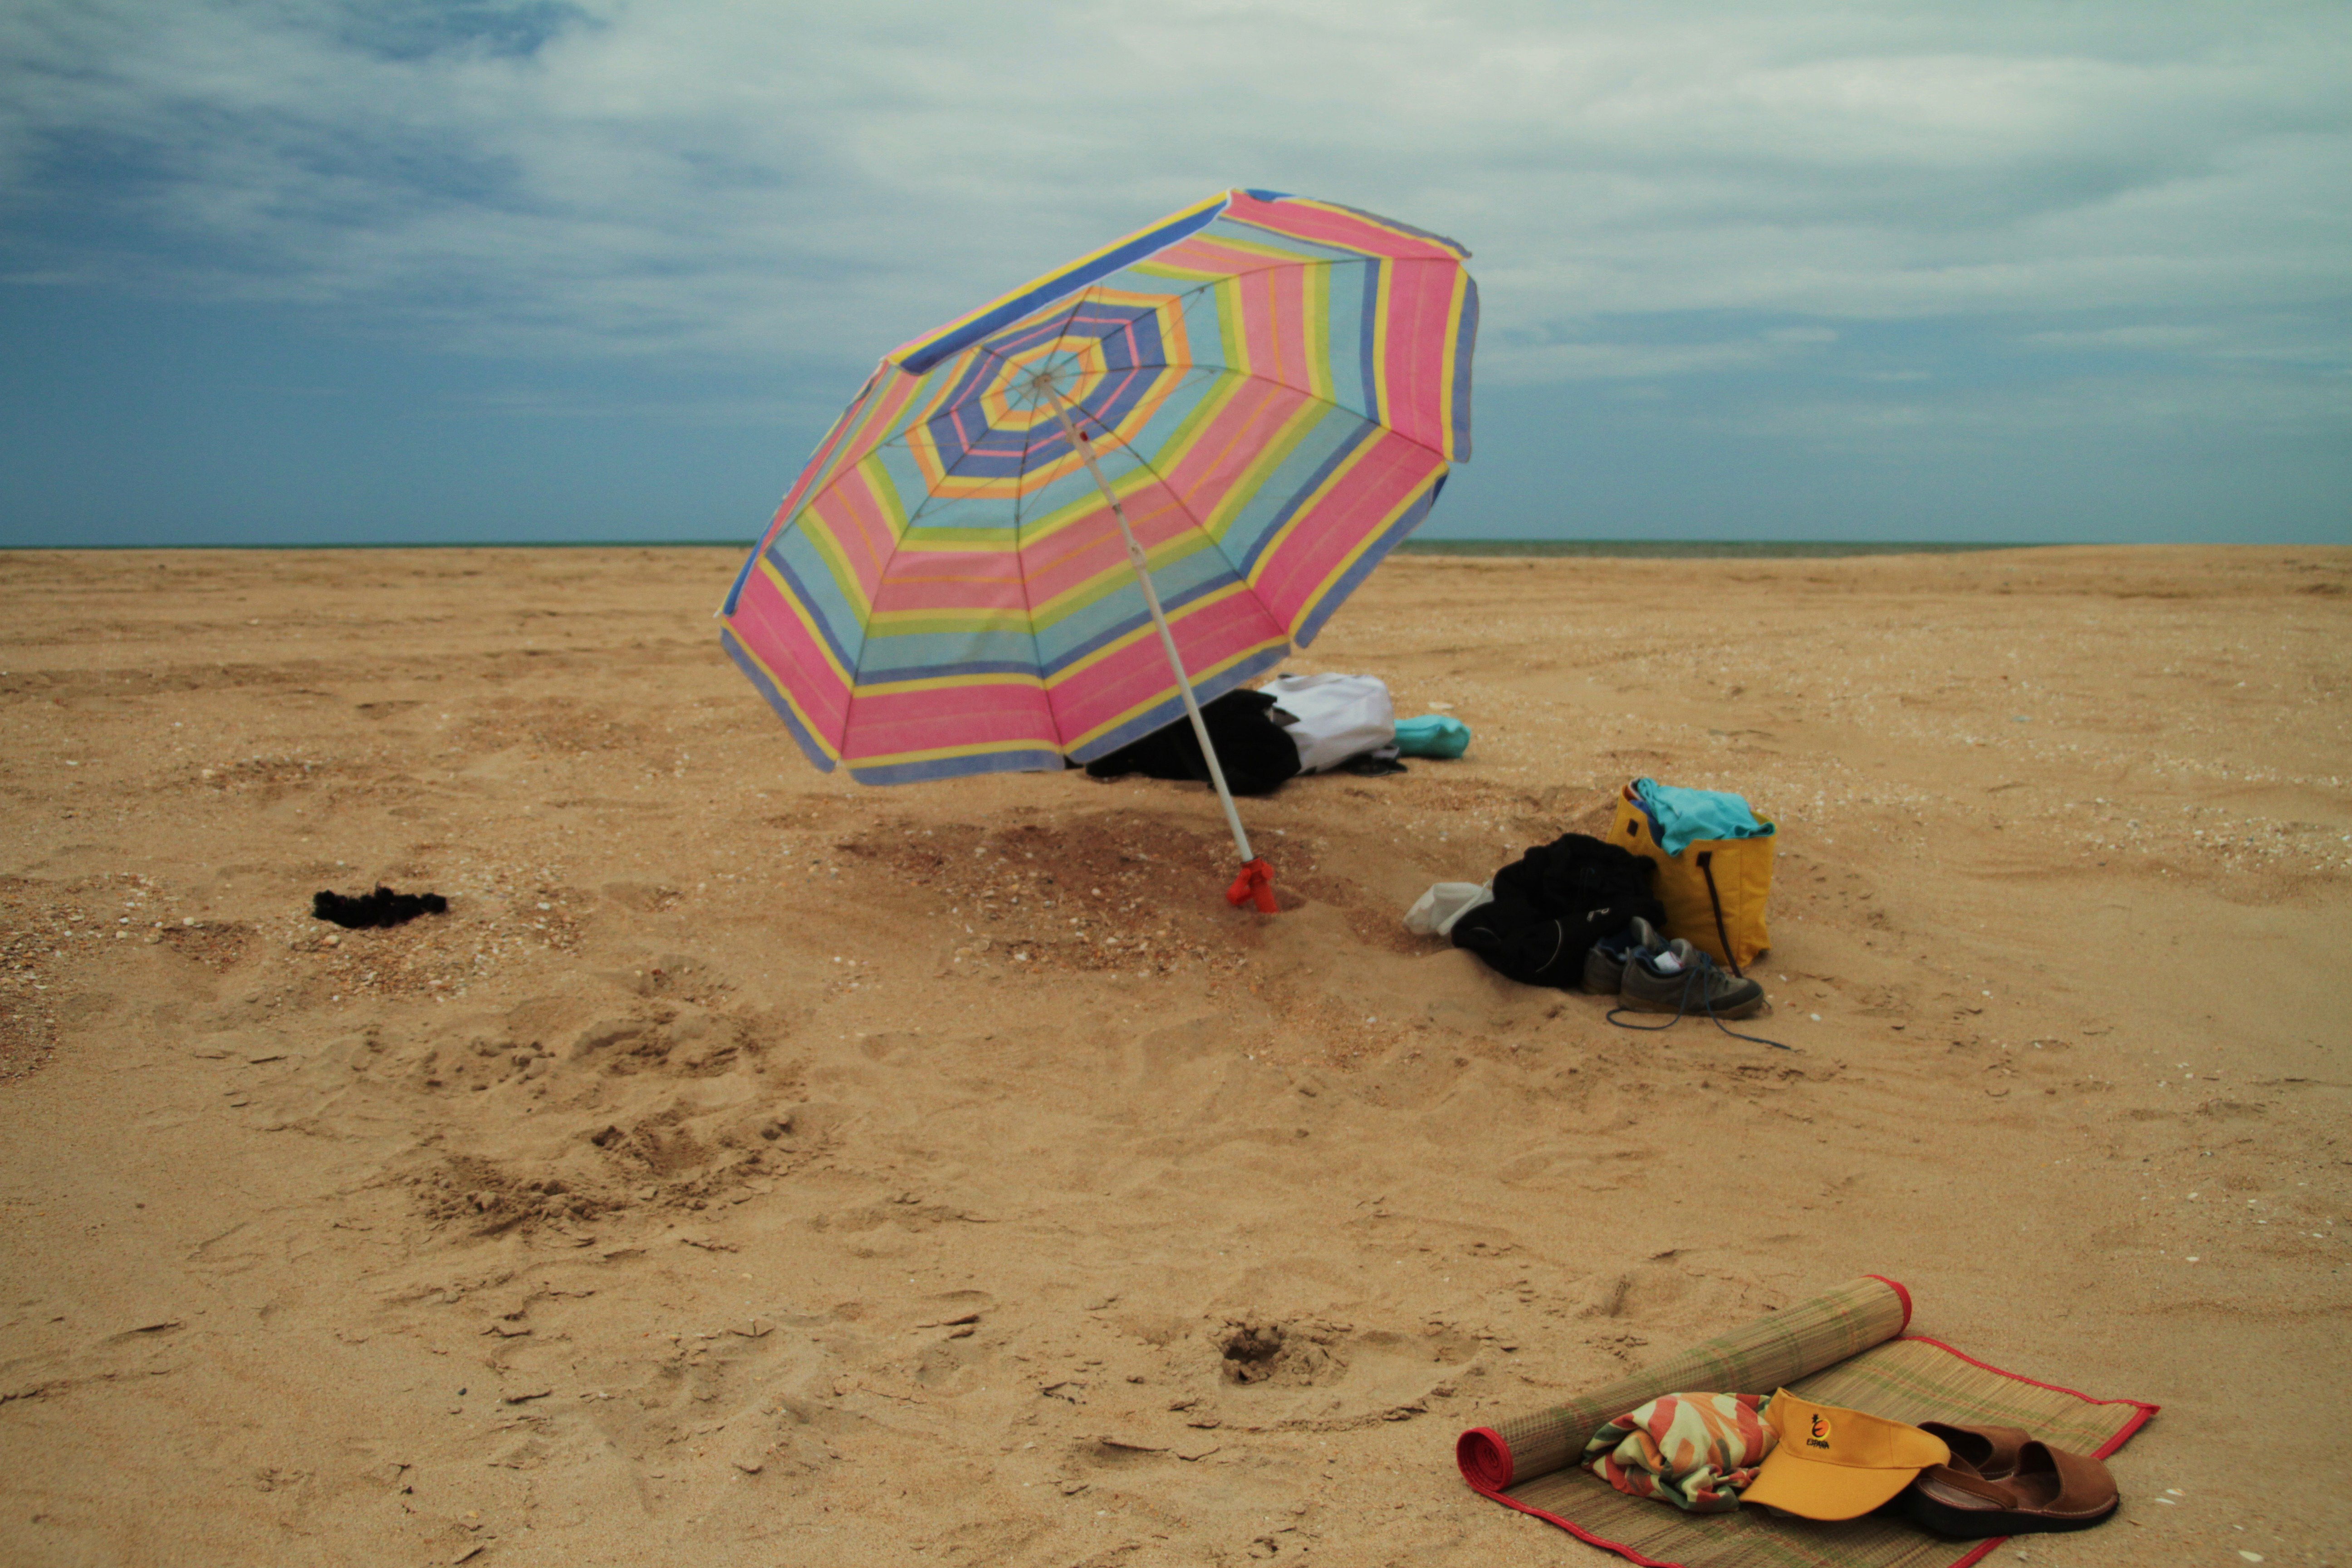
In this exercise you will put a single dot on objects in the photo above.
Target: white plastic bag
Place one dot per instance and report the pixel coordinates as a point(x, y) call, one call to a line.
point(1334, 717)
point(1434, 912)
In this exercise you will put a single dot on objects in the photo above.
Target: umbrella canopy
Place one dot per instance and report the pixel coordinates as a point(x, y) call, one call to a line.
point(1267, 391)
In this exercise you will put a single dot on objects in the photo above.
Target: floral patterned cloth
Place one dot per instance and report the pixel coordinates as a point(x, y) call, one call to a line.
point(1693, 1450)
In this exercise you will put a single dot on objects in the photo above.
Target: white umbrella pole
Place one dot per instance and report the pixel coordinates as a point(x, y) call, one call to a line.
point(1135, 558)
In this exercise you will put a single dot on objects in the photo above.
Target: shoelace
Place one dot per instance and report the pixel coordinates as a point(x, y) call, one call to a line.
point(1701, 975)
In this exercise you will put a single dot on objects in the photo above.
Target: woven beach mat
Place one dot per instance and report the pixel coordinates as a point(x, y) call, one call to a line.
point(1845, 1348)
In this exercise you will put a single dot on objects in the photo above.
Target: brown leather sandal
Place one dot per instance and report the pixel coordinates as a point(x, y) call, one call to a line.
point(1990, 1451)
point(2050, 1489)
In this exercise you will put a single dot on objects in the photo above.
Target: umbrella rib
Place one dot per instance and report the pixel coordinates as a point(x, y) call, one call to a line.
point(1144, 463)
point(932, 499)
point(857, 676)
point(1198, 526)
point(1078, 299)
point(1215, 542)
point(1028, 610)
point(1309, 396)
point(1020, 571)
point(1253, 375)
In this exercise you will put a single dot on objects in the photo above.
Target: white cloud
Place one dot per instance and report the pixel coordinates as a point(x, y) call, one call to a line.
point(2147, 336)
point(1521, 363)
point(2155, 410)
point(811, 183)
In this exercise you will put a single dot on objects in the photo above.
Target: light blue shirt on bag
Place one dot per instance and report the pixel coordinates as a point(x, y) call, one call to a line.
point(1683, 816)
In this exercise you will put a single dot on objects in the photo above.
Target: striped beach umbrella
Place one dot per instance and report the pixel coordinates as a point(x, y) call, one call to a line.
point(1064, 519)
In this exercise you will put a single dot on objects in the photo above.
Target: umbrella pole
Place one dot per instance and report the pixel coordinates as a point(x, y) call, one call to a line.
point(1256, 879)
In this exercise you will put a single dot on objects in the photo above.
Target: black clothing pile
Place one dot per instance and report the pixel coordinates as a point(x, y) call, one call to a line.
point(1553, 903)
point(1256, 752)
point(382, 908)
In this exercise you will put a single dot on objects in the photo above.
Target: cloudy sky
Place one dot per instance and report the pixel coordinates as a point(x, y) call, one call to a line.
point(301, 270)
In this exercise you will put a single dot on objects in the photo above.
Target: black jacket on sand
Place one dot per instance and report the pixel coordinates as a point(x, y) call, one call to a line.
point(1256, 753)
point(1553, 903)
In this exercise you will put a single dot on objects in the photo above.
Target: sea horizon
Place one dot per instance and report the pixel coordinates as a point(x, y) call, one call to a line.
point(1681, 549)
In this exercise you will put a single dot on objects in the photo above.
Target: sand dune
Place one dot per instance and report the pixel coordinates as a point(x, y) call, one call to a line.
point(754, 1168)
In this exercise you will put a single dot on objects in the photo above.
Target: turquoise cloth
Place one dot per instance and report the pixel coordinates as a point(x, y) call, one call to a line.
point(1431, 735)
point(1685, 815)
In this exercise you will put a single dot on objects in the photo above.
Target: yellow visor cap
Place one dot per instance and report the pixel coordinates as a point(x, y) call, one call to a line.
point(1837, 1464)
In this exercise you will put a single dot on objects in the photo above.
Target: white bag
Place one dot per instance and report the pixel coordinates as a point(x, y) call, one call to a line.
point(1333, 717)
point(1434, 912)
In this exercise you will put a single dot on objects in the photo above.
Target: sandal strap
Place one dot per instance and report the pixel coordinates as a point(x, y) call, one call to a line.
point(1988, 1450)
point(2084, 1484)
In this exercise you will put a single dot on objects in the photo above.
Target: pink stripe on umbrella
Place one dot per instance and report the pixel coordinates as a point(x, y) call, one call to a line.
point(1232, 439)
point(1209, 633)
point(1383, 477)
point(767, 623)
point(966, 715)
point(1420, 303)
point(952, 580)
point(1328, 226)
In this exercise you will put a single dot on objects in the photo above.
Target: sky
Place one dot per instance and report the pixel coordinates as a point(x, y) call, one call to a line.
point(305, 271)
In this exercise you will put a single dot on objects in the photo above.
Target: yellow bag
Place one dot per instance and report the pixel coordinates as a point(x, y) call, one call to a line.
point(1715, 891)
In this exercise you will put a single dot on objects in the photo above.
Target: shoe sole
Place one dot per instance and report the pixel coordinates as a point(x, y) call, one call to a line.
point(1674, 1004)
point(1978, 1524)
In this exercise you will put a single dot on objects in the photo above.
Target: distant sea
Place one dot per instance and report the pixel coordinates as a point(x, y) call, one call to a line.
point(1679, 549)
point(1689, 549)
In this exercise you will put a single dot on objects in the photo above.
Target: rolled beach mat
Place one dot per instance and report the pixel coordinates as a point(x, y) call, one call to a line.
point(1756, 1358)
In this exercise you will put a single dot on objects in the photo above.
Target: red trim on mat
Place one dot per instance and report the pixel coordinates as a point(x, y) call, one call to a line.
point(2117, 1441)
point(1586, 1536)
point(1484, 1455)
point(1896, 1286)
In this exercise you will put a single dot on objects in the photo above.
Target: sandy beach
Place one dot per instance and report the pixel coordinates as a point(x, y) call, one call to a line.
point(752, 1167)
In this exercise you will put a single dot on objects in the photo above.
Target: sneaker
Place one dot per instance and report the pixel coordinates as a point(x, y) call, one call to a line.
point(1606, 961)
point(1681, 979)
